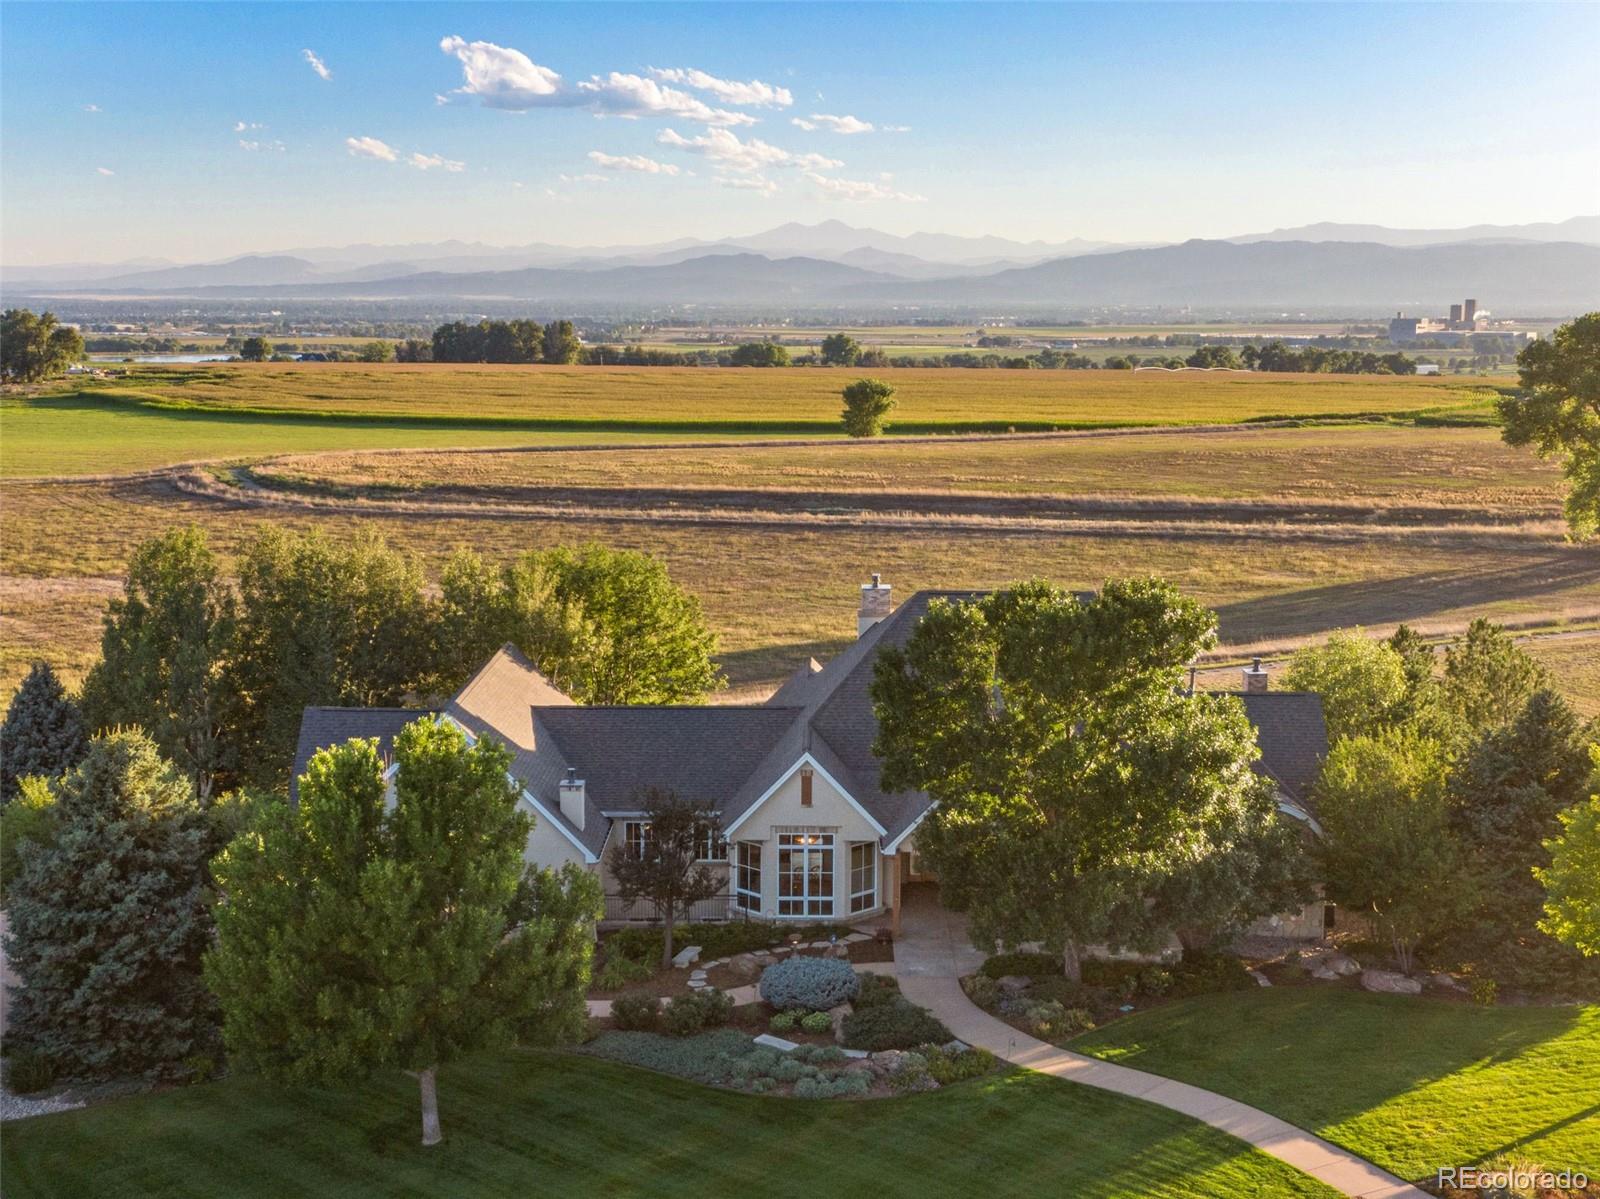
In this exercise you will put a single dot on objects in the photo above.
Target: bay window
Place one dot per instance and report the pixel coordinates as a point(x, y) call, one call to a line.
point(747, 877)
point(805, 874)
point(863, 876)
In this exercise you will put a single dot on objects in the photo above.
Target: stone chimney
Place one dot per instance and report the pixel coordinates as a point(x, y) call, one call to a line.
point(875, 604)
point(1255, 677)
point(572, 804)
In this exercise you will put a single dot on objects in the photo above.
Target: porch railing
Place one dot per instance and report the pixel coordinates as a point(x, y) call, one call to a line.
point(641, 911)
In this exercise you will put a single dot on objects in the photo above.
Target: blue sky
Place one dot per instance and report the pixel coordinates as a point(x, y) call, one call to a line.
point(197, 131)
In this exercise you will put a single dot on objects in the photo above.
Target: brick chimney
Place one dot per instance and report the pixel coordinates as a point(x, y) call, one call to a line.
point(875, 604)
point(572, 804)
point(1255, 677)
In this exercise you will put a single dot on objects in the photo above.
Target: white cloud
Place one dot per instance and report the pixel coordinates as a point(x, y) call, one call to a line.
point(504, 78)
point(729, 91)
point(861, 189)
point(91, 108)
point(833, 124)
point(894, 128)
point(316, 64)
point(589, 177)
point(755, 183)
point(258, 147)
point(105, 171)
point(431, 162)
point(631, 162)
point(246, 126)
point(371, 147)
point(727, 152)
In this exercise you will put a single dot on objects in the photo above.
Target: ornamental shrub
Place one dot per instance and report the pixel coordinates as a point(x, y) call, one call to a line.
point(813, 984)
point(28, 1073)
point(816, 1022)
point(876, 990)
point(1203, 973)
point(901, 1025)
point(620, 971)
point(707, 1057)
point(696, 1011)
point(839, 1086)
point(1052, 1019)
point(945, 1067)
point(1033, 965)
point(981, 989)
point(636, 1012)
point(783, 1022)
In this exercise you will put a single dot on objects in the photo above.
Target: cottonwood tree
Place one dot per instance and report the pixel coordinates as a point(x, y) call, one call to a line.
point(1363, 682)
point(109, 918)
point(256, 349)
point(42, 734)
point(607, 626)
point(162, 652)
point(1073, 779)
point(1558, 413)
point(866, 403)
point(1572, 879)
point(1387, 849)
point(35, 347)
point(666, 868)
point(361, 935)
point(321, 622)
point(559, 343)
point(840, 349)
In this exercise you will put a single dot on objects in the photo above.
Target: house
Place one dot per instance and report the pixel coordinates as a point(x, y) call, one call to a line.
point(807, 831)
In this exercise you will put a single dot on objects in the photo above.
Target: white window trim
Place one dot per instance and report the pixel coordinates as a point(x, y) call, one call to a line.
point(741, 892)
point(871, 894)
point(805, 759)
point(805, 898)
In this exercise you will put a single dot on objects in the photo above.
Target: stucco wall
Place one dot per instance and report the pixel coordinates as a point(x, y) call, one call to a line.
point(548, 845)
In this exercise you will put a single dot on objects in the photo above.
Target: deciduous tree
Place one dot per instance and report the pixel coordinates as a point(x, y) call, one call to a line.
point(1072, 776)
point(866, 403)
point(1362, 682)
point(1572, 879)
point(256, 349)
point(35, 347)
point(666, 870)
point(1557, 412)
point(840, 349)
point(360, 936)
point(164, 646)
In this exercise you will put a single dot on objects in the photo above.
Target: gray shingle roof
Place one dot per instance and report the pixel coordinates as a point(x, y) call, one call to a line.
point(321, 728)
point(730, 756)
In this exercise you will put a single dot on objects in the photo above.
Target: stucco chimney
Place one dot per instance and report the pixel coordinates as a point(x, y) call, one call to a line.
point(572, 804)
point(1255, 677)
point(875, 604)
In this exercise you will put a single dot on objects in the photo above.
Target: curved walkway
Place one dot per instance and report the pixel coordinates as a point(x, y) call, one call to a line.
point(933, 952)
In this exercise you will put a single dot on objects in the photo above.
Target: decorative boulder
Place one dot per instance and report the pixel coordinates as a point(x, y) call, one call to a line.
point(744, 966)
point(1342, 964)
point(837, 1015)
point(1389, 983)
point(811, 984)
point(1014, 984)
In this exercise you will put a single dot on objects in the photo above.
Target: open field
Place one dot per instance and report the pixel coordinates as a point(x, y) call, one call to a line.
point(218, 409)
point(1411, 1084)
point(544, 1123)
point(1288, 531)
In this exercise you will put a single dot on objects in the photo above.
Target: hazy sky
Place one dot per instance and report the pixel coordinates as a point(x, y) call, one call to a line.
point(197, 131)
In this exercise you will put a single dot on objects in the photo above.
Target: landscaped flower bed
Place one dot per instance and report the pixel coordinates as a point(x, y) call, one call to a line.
point(731, 955)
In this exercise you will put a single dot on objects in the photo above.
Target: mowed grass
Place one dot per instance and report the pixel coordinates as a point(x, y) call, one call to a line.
point(1410, 1084)
point(1345, 463)
point(477, 405)
point(533, 1123)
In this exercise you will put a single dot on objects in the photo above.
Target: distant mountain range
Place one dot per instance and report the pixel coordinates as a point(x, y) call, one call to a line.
point(1544, 268)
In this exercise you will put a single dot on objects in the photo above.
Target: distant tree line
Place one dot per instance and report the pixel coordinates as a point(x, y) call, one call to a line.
point(519, 341)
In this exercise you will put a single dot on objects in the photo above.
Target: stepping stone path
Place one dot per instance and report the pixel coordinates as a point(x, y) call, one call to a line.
point(686, 957)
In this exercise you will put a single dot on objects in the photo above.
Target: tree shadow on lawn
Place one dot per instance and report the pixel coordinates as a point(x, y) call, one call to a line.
point(1323, 1059)
point(1422, 596)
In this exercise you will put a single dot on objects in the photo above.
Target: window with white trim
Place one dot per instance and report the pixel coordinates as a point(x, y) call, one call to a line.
point(747, 877)
point(805, 874)
point(710, 845)
point(636, 836)
point(863, 876)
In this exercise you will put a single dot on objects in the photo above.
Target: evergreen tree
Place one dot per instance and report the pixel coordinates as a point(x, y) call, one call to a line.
point(42, 734)
point(162, 653)
point(1488, 677)
point(359, 935)
point(110, 919)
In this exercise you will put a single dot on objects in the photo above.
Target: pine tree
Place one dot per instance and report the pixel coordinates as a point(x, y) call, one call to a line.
point(42, 734)
point(359, 935)
point(108, 922)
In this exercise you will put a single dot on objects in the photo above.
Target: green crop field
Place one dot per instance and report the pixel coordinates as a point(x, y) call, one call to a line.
point(157, 415)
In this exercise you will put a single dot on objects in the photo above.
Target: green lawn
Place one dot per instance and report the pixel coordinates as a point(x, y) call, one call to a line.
point(532, 1123)
point(1410, 1084)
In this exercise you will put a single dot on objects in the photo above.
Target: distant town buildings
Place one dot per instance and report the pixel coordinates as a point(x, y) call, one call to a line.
point(1464, 318)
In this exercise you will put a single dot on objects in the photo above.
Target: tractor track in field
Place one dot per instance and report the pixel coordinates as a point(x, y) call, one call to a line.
point(946, 512)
